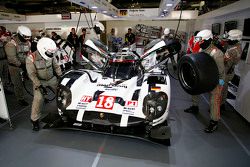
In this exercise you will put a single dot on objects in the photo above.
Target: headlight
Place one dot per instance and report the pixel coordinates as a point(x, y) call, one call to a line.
point(154, 105)
point(64, 97)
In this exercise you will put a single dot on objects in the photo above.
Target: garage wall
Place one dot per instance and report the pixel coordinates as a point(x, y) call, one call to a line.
point(34, 27)
point(206, 23)
point(61, 28)
point(237, 11)
point(121, 27)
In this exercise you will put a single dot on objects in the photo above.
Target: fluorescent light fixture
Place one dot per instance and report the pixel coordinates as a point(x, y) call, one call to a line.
point(94, 7)
point(165, 10)
point(104, 11)
point(169, 4)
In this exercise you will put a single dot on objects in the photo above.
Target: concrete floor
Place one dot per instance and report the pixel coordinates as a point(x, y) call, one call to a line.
point(190, 146)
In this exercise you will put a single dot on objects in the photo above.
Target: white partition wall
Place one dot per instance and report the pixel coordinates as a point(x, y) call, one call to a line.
point(4, 113)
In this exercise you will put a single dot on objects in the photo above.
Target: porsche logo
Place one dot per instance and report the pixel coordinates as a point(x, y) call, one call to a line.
point(101, 115)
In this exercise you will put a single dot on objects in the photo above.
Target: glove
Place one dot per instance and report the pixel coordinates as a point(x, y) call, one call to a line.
point(221, 82)
point(43, 90)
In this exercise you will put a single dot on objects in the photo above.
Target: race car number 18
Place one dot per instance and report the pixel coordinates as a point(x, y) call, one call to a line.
point(105, 102)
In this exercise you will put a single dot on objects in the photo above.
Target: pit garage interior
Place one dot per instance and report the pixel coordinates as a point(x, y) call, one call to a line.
point(229, 146)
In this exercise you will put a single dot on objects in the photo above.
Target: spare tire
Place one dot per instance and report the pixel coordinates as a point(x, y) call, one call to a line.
point(198, 73)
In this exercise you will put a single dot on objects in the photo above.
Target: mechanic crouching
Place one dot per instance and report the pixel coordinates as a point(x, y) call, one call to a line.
point(43, 70)
point(204, 38)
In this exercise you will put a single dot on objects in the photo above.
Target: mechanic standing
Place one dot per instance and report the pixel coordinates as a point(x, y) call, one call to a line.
point(231, 58)
point(17, 50)
point(73, 40)
point(43, 71)
point(112, 41)
point(129, 37)
point(4, 70)
point(204, 38)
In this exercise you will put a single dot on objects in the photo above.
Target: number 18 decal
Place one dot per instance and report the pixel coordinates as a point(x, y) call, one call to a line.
point(105, 102)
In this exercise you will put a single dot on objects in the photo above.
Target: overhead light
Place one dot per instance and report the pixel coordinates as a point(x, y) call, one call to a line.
point(165, 10)
point(169, 4)
point(98, 6)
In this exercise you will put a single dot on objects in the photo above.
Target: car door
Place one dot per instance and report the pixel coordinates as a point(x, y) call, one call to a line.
point(155, 53)
point(98, 54)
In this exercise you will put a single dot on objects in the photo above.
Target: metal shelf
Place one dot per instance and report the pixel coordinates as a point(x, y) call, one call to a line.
point(231, 102)
point(231, 91)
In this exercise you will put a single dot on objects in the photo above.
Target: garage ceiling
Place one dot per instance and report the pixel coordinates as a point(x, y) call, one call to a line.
point(33, 7)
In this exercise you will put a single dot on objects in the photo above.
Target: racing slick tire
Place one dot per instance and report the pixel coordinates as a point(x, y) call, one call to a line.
point(198, 73)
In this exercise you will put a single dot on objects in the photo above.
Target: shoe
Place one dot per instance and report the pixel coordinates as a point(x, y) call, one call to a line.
point(23, 103)
point(213, 126)
point(35, 125)
point(192, 109)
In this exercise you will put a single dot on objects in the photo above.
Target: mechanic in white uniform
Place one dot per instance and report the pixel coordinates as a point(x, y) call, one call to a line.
point(43, 71)
point(231, 58)
point(204, 38)
point(17, 50)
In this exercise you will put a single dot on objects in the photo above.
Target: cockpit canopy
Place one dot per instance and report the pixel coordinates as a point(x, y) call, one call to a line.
point(121, 67)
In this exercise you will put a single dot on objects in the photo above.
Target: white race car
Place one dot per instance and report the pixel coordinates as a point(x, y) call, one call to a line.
point(124, 94)
point(128, 94)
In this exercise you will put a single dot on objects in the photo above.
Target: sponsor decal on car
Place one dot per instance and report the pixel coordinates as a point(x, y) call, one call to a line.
point(111, 89)
point(86, 99)
point(105, 102)
point(131, 103)
point(128, 110)
point(81, 105)
point(155, 88)
point(112, 85)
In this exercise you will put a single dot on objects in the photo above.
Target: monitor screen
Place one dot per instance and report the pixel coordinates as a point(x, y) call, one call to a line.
point(246, 29)
point(216, 29)
point(229, 25)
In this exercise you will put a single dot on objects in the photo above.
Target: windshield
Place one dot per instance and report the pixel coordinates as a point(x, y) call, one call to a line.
point(121, 70)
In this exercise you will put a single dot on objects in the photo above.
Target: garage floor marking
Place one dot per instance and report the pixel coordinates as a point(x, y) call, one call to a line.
point(231, 131)
point(100, 150)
